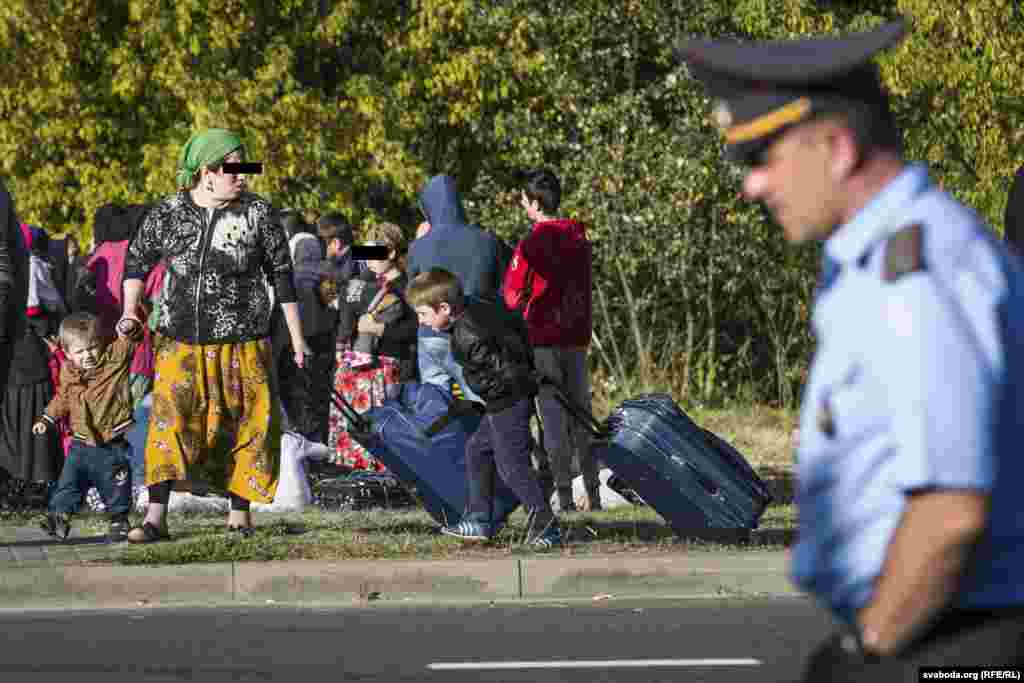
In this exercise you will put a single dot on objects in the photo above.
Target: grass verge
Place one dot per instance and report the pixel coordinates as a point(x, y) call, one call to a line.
point(412, 534)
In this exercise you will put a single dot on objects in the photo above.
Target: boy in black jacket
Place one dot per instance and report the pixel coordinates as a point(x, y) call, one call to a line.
point(497, 364)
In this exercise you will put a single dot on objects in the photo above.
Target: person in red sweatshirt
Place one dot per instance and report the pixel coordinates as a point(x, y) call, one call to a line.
point(549, 282)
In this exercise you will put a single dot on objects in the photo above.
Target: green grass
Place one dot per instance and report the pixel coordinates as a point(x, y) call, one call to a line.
point(381, 534)
point(411, 534)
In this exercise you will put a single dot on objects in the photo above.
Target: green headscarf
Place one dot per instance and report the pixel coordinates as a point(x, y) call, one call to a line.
point(202, 149)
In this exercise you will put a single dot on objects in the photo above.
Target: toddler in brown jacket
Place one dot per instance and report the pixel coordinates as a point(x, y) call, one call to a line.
point(95, 393)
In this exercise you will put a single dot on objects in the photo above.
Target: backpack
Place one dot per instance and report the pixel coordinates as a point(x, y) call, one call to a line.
point(118, 222)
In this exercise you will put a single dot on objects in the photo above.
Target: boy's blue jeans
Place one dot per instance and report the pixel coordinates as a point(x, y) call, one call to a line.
point(106, 467)
point(501, 445)
point(438, 365)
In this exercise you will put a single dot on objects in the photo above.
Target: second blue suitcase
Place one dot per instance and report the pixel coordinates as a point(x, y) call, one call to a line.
point(692, 478)
point(431, 466)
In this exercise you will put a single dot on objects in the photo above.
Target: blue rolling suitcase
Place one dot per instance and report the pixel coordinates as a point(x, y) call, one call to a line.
point(420, 436)
point(691, 477)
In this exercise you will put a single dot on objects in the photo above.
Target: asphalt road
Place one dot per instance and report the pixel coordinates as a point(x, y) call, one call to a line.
point(714, 641)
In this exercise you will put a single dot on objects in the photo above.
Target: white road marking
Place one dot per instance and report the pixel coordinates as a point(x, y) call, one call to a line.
point(591, 664)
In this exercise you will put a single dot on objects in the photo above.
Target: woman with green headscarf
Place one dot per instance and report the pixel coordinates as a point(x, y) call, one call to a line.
point(216, 414)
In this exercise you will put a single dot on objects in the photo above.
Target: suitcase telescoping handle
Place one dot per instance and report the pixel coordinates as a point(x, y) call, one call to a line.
point(581, 414)
point(358, 422)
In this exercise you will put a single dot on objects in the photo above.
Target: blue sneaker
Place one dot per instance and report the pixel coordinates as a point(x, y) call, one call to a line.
point(471, 530)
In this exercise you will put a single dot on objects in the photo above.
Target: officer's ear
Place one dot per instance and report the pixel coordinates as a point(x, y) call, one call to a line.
point(845, 150)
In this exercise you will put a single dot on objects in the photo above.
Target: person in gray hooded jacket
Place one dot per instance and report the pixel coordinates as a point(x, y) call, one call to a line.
point(466, 250)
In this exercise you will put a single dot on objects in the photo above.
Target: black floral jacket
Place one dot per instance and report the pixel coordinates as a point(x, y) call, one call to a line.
point(219, 263)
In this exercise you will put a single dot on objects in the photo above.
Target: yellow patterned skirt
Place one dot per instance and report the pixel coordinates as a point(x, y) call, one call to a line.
point(215, 417)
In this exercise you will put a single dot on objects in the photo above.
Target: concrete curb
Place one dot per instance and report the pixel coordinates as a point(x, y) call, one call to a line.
point(359, 582)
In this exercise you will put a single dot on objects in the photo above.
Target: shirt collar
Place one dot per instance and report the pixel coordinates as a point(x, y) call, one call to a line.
point(875, 221)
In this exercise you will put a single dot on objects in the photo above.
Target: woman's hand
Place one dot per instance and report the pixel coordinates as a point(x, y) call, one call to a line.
point(39, 428)
point(367, 325)
point(129, 326)
point(51, 344)
point(302, 352)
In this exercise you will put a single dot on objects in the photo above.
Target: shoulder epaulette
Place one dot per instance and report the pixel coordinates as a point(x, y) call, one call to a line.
point(904, 253)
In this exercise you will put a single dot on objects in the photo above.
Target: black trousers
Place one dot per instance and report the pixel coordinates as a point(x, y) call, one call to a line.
point(957, 638)
point(501, 445)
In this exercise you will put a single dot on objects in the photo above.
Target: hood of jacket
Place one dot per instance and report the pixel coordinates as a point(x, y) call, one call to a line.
point(441, 202)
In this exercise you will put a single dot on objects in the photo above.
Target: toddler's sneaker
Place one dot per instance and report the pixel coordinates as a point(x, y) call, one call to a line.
point(471, 530)
point(57, 525)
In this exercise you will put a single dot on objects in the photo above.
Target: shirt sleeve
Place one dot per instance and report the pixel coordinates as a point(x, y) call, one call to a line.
point(58, 406)
point(517, 279)
point(412, 266)
point(484, 357)
point(276, 258)
point(941, 389)
point(146, 248)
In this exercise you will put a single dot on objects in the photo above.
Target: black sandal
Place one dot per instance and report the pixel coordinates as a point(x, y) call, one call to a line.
point(150, 534)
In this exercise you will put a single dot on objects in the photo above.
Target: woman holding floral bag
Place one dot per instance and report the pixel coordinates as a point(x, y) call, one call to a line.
point(381, 351)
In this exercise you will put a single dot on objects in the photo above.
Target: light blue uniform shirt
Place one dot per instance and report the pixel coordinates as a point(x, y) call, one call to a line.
point(916, 383)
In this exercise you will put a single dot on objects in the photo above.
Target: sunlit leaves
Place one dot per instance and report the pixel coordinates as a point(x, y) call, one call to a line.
point(344, 100)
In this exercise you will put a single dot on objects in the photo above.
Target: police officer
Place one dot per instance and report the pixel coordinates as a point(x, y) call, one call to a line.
point(909, 463)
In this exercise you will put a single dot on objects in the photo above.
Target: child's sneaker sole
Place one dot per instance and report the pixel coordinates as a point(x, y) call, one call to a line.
point(472, 531)
point(455, 534)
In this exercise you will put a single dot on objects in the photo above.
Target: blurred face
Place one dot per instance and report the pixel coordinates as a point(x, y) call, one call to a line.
point(84, 354)
point(795, 180)
point(226, 186)
point(380, 267)
point(438, 320)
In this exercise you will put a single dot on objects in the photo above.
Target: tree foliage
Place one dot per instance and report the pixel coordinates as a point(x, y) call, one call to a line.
point(352, 104)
